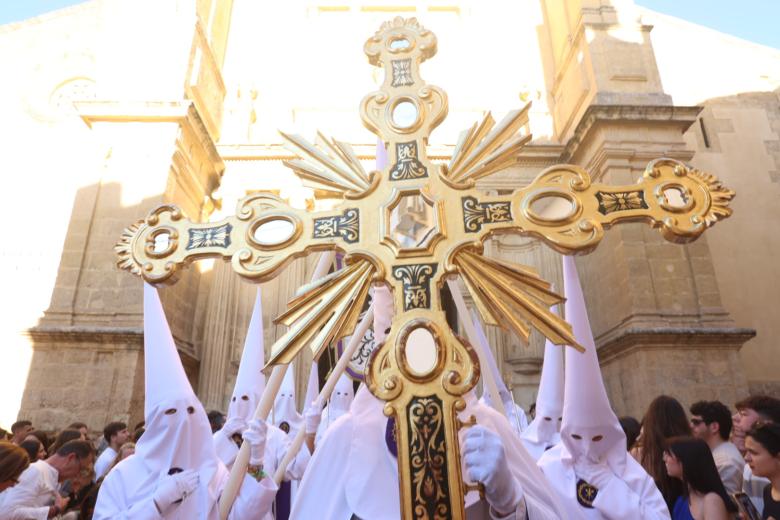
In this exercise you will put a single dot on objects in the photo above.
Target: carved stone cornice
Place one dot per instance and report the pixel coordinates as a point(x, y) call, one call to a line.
point(647, 115)
point(629, 340)
point(97, 339)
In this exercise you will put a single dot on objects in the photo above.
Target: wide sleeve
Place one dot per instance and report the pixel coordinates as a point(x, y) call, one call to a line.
point(254, 499)
point(617, 501)
point(112, 502)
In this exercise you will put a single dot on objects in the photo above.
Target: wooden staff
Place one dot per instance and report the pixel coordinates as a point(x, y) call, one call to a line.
point(471, 333)
point(238, 470)
point(327, 389)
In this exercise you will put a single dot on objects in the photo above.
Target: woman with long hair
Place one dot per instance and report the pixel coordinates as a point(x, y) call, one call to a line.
point(13, 461)
point(762, 454)
point(690, 461)
point(34, 449)
point(665, 418)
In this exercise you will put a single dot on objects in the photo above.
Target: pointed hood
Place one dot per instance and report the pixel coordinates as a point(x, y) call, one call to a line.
point(250, 380)
point(341, 398)
point(178, 434)
point(286, 416)
point(549, 401)
point(586, 410)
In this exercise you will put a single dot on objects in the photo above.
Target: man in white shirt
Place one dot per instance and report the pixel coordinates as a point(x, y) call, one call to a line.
point(116, 434)
point(749, 411)
point(711, 422)
point(36, 496)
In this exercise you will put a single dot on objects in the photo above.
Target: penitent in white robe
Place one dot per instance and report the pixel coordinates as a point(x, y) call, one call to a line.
point(353, 473)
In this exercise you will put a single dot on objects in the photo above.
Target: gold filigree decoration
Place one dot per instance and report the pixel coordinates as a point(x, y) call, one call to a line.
point(328, 310)
point(720, 195)
point(485, 149)
point(512, 296)
point(327, 165)
point(124, 249)
point(428, 458)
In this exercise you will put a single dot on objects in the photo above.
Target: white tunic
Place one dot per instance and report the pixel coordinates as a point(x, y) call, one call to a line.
point(121, 499)
point(630, 495)
point(352, 471)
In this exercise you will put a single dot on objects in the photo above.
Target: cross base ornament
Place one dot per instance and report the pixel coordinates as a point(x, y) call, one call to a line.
point(411, 226)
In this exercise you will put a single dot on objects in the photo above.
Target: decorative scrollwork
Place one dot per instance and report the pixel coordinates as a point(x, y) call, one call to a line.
point(416, 280)
point(346, 226)
point(402, 73)
point(408, 165)
point(428, 458)
point(210, 237)
point(609, 202)
point(476, 213)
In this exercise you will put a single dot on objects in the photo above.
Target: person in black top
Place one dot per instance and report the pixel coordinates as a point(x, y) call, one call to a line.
point(763, 456)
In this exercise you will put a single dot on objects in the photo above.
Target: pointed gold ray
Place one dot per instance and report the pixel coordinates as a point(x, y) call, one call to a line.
point(326, 312)
point(513, 297)
point(327, 165)
point(488, 148)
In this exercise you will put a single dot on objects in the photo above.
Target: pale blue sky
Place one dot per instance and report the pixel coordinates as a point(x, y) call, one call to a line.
point(754, 20)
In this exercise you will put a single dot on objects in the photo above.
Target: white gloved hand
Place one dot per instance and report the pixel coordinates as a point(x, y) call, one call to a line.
point(486, 462)
point(234, 425)
point(312, 417)
point(172, 490)
point(255, 436)
point(595, 474)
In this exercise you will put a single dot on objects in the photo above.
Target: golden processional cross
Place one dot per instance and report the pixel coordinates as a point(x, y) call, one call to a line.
point(412, 226)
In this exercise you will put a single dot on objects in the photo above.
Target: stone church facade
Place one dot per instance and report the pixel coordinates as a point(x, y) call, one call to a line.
point(113, 108)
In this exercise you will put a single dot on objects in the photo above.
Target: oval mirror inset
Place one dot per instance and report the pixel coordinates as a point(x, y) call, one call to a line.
point(552, 207)
point(405, 114)
point(162, 241)
point(399, 43)
point(675, 197)
point(421, 351)
point(274, 231)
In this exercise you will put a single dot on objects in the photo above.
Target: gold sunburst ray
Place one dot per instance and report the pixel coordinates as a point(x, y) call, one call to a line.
point(327, 166)
point(328, 311)
point(513, 297)
point(487, 148)
point(124, 249)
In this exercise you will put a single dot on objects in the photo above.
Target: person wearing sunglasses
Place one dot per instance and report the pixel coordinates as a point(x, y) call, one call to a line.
point(711, 422)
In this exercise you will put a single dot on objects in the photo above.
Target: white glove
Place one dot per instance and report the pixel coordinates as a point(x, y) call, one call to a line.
point(312, 418)
point(595, 474)
point(255, 436)
point(174, 489)
point(234, 425)
point(486, 462)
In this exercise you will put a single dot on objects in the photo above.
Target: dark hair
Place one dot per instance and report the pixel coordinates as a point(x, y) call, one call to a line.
point(18, 425)
point(216, 420)
point(13, 461)
point(140, 424)
point(32, 447)
point(112, 429)
point(698, 467)
point(41, 436)
point(665, 418)
point(767, 407)
point(714, 412)
point(63, 437)
point(631, 428)
point(77, 426)
point(137, 434)
point(768, 435)
point(82, 449)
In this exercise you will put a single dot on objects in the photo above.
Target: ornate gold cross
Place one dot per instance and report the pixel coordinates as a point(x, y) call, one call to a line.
point(411, 226)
